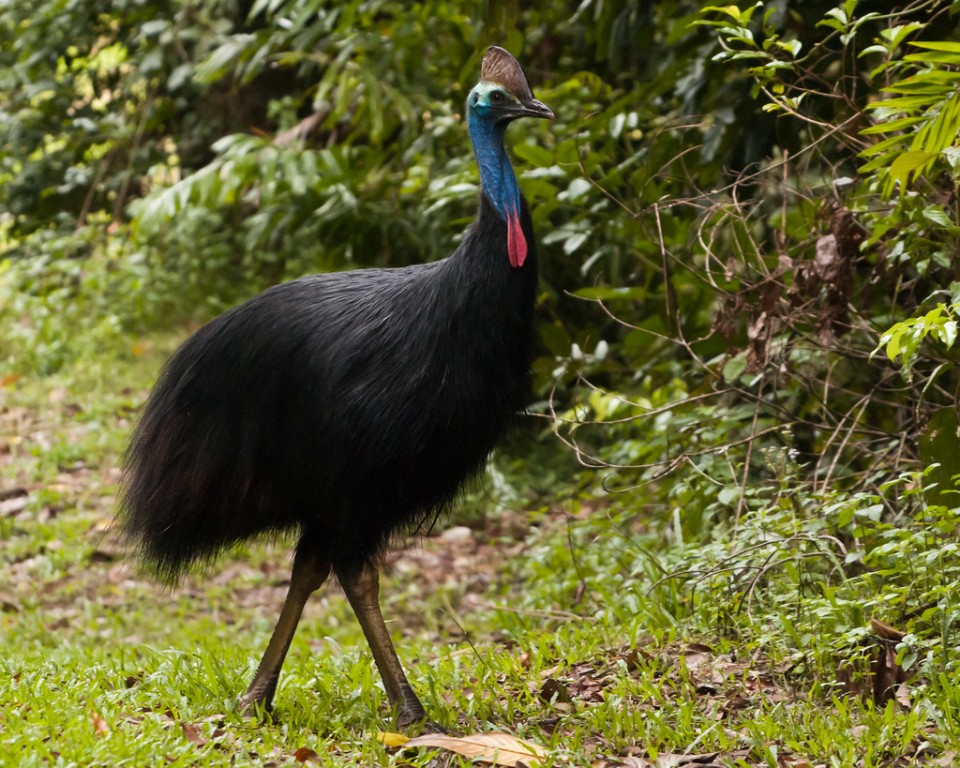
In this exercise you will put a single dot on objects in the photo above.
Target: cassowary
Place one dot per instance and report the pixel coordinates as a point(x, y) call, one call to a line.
point(346, 406)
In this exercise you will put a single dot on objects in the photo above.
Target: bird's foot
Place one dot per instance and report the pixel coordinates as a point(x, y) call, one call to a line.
point(255, 704)
point(413, 719)
point(428, 726)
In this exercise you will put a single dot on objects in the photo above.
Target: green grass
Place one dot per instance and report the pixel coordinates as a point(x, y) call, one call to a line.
point(552, 623)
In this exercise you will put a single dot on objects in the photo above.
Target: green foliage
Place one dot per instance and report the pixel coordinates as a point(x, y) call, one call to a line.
point(923, 116)
point(740, 207)
point(903, 339)
point(85, 95)
point(819, 567)
point(58, 307)
point(741, 389)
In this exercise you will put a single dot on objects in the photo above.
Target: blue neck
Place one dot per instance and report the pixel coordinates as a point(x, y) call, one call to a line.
point(496, 174)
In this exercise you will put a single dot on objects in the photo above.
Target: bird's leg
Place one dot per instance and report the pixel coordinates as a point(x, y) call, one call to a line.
point(309, 573)
point(362, 591)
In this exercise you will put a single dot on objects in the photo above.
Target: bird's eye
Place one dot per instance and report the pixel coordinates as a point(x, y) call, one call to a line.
point(496, 97)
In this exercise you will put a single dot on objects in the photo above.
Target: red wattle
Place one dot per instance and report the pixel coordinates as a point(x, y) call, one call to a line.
point(516, 242)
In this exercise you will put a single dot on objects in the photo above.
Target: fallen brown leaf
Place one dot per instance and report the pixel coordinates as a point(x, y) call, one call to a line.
point(193, 734)
point(9, 493)
point(306, 755)
point(788, 761)
point(553, 691)
point(947, 759)
point(670, 760)
point(8, 603)
point(494, 748)
point(902, 695)
point(100, 726)
point(13, 506)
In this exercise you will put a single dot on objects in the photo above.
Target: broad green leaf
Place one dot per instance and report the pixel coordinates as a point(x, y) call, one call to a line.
point(938, 45)
point(893, 344)
point(891, 126)
point(933, 57)
point(217, 64)
point(884, 145)
point(909, 163)
point(948, 333)
point(937, 215)
point(870, 49)
point(730, 10)
point(895, 35)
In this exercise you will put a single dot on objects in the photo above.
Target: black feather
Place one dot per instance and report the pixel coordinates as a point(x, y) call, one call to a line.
point(347, 406)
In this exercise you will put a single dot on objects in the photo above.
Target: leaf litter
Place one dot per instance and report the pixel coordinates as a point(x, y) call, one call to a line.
point(492, 748)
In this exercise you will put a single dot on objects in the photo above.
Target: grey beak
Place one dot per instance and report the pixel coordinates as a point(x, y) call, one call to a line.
point(536, 108)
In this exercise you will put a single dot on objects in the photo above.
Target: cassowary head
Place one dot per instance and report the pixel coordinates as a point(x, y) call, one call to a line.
point(501, 96)
point(503, 93)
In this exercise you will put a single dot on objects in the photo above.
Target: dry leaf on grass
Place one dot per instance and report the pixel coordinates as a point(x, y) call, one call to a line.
point(946, 759)
point(306, 755)
point(8, 603)
point(554, 692)
point(100, 726)
point(790, 761)
point(494, 748)
point(192, 734)
point(670, 760)
point(13, 506)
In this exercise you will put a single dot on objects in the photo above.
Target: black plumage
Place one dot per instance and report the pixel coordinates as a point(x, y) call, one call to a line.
point(345, 406)
point(331, 403)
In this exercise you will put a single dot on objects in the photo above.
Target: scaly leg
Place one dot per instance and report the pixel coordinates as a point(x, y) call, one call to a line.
point(363, 590)
point(309, 573)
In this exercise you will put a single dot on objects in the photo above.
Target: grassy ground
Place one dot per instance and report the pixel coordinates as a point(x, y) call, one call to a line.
point(547, 621)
